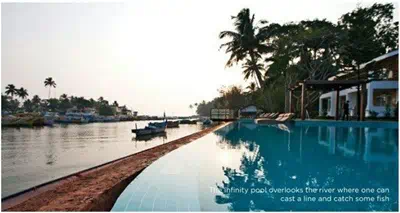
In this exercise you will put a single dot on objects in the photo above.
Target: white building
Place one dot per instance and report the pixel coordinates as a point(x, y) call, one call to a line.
point(248, 111)
point(380, 93)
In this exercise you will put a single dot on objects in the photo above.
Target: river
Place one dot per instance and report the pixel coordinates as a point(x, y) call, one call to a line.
point(31, 156)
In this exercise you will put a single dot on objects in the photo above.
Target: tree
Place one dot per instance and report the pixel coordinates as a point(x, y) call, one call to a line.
point(105, 110)
point(115, 103)
point(252, 87)
point(49, 82)
point(5, 103)
point(36, 102)
point(246, 44)
point(371, 32)
point(28, 106)
point(22, 93)
point(11, 90)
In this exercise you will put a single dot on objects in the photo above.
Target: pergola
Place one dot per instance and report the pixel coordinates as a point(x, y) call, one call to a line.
point(326, 85)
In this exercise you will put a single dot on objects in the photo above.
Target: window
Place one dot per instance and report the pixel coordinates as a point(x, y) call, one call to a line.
point(382, 97)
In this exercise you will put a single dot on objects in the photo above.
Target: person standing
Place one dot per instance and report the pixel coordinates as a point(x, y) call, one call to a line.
point(346, 110)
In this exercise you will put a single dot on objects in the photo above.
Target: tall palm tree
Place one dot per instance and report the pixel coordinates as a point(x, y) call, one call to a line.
point(22, 93)
point(11, 90)
point(50, 83)
point(246, 43)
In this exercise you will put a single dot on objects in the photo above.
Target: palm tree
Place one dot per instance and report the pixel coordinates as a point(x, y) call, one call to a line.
point(22, 93)
point(63, 96)
point(11, 90)
point(246, 43)
point(250, 70)
point(252, 87)
point(50, 83)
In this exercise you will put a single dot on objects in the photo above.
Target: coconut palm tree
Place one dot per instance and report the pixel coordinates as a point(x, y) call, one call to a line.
point(250, 69)
point(246, 43)
point(252, 87)
point(50, 83)
point(63, 96)
point(22, 93)
point(11, 90)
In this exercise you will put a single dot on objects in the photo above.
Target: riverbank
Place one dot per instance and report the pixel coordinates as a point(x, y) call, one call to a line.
point(94, 189)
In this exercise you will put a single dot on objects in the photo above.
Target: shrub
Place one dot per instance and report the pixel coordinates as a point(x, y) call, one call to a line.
point(388, 111)
point(373, 114)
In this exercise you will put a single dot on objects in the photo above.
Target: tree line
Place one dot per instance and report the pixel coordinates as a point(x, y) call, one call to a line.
point(275, 56)
point(16, 100)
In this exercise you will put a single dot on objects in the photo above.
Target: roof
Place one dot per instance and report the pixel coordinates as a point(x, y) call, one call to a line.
point(330, 85)
point(380, 58)
point(366, 64)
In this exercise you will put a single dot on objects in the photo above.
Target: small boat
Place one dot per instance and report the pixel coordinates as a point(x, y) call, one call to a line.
point(152, 128)
point(207, 122)
point(49, 118)
point(172, 124)
point(188, 122)
point(151, 136)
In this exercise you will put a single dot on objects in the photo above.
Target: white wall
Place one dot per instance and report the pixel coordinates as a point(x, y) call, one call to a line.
point(351, 96)
point(378, 85)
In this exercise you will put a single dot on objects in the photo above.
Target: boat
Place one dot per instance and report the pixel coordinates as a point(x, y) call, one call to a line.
point(111, 119)
point(49, 118)
point(151, 136)
point(207, 122)
point(188, 122)
point(172, 124)
point(150, 129)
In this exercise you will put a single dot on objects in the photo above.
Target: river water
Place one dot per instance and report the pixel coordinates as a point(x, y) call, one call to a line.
point(31, 156)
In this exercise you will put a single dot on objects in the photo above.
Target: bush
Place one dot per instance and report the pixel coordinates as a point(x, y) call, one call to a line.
point(388, 111)
point(373, 114)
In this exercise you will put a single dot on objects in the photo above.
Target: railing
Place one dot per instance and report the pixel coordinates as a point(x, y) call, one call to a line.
point(222, 114)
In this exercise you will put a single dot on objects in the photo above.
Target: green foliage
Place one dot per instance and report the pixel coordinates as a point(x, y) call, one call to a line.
point(105, 110)
point(373, 114)
point(388, 111)
point(278, 56)
point(28, 106)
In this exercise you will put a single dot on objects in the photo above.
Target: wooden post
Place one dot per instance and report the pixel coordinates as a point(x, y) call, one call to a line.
point(303, 87)
point(337, 104)
point(290, 101)
point(362, 99)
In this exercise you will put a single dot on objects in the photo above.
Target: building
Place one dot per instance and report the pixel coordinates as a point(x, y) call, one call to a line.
point(249, 111)
point(381, 90)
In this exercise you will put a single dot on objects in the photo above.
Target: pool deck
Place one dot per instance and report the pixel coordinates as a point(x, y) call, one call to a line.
point(94, 189)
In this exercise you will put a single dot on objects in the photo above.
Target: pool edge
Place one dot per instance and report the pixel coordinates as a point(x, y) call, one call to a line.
point(39, 198)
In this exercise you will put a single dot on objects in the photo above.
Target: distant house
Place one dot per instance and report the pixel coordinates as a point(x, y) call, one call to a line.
point(249, 111)
point(381, 90)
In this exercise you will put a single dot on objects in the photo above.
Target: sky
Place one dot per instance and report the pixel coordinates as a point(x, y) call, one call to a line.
point(152, 56)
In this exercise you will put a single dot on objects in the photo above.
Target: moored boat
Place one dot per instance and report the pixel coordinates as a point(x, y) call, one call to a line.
point(172, 124)
point(152, 128)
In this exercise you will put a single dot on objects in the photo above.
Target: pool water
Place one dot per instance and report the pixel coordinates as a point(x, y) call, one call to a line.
point(250, 167)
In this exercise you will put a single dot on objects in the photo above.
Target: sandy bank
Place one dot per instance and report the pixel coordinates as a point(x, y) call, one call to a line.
point(96, 189)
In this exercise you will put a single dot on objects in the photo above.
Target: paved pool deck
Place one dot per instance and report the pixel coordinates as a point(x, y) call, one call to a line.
point(95, 189)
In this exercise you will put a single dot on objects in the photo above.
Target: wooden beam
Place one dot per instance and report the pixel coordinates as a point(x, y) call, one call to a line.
point(303, 87)
point(362, 100)
point(290, 101)
point(337, 105)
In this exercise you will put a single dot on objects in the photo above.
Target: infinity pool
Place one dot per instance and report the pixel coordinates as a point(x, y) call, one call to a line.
point(250, 167)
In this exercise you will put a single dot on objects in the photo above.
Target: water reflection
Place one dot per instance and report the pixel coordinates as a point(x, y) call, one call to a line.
point(280, 156)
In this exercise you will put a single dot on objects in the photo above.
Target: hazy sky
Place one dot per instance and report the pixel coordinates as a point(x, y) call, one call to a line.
point(151, 55)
